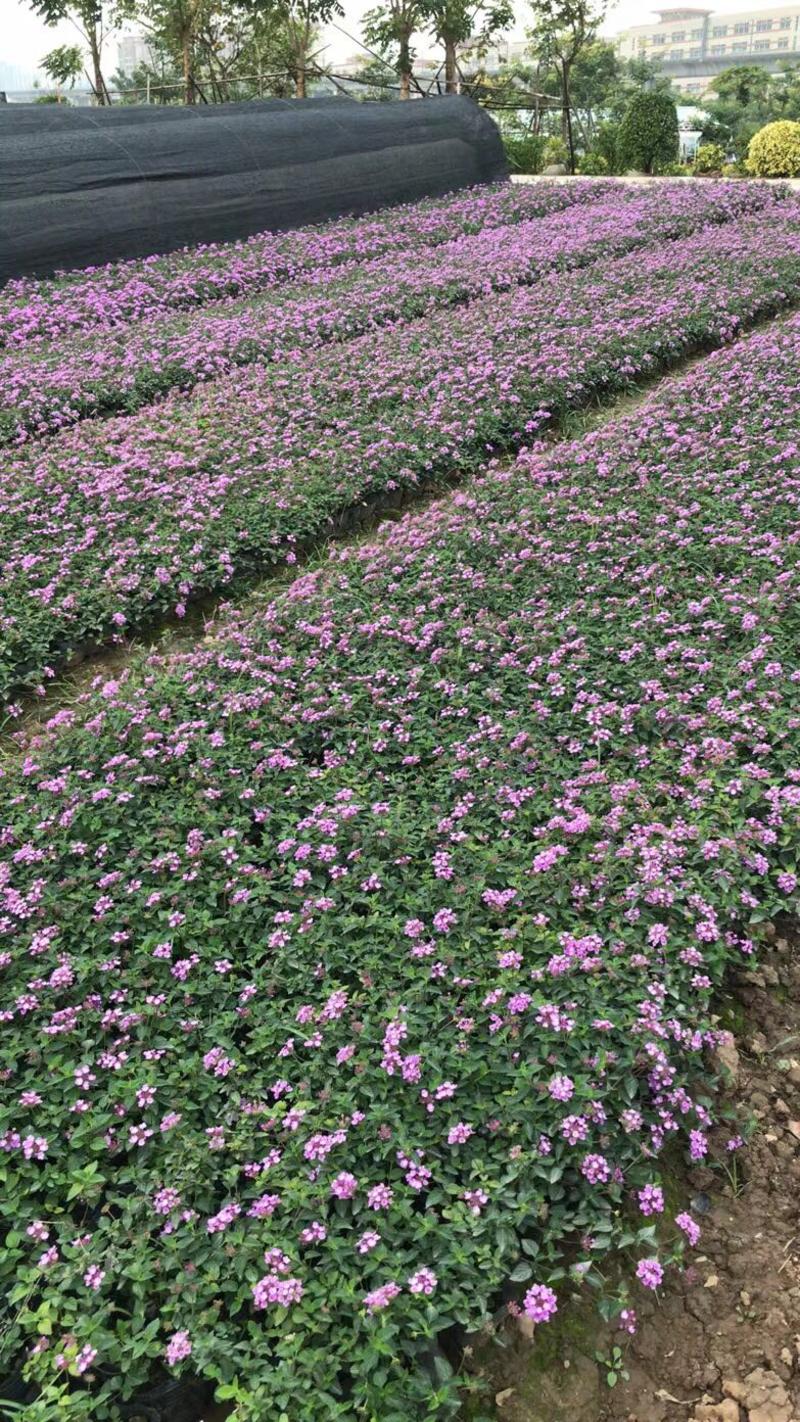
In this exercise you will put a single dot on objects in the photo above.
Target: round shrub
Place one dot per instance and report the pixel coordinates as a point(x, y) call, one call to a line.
point(709, 158)
point(648, 133)
point(774, 152)
point(593, 165)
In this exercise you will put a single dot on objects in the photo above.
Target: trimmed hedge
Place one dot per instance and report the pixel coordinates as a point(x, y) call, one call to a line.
point(774, 152)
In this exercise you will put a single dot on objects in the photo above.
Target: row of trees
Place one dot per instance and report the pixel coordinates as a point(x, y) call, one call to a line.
point(745, 99)
point(199, 50)
point(206, 48)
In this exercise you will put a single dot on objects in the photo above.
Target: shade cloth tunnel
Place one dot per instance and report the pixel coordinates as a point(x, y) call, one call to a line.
point(82, 187)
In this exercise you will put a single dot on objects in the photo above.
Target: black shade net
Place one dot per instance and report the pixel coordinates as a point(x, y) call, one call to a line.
point(82, 187)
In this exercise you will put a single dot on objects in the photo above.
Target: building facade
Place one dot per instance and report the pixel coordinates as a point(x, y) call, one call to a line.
point(692, 45)
point(132, 52)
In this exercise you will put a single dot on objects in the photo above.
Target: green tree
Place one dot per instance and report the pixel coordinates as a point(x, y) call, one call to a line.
point(249, 52)
point(173, 26)
point(93, 26)
point(376, 76)
point(742, 85)
point(456, 22)
point(64, 65)
point(390, 28)
point(300, 21)
point(648, 133)
point(560, 33)
point(156, 81)
point(745, 99)
point(596, 78)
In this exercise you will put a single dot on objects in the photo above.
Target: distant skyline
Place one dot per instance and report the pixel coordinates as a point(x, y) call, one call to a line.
point(25, 40)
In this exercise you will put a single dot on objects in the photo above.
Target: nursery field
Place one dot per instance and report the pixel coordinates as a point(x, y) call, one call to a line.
point(361, 961)
point(117, 522)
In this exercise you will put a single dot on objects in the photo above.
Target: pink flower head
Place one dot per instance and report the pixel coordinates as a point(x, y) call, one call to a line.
point(423, 1282)
point(85, 1358)
point(596, 1169)
point(344, 1186)
point(315, 1233)
point(540, 1303)
point(273, 1289)
point(689, 1227)
point(651, 1200)
point(178, 1347)
point(380, 1197)
point(650, 1273)
point(561, 1088)
point(381, 1297)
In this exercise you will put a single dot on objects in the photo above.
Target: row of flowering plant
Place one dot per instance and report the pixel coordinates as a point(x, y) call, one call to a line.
point(362, 960)
point(117, 522)
point(44, 387)
point(34, 310)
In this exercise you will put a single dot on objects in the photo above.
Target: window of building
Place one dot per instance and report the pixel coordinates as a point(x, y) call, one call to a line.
point(786, 24)
point(783, 44)
point(659, 39)
point(719, 30)
point(695, 52)
point(718, 48)
point(743, 28)
point(762, 25)
point(739, 48)
point(678, 36)
point(676, 54)
point(695, 34)
point(762, 44)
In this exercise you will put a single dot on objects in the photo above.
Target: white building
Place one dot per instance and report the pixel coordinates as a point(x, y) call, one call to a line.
point(693, 45)
point(132, 51)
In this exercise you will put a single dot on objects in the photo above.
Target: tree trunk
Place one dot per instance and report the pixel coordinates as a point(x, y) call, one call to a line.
point(566, 115)
point(188, 80)
point(98, 82)
point(404, 66)
point(450, 70)
point(300, 81)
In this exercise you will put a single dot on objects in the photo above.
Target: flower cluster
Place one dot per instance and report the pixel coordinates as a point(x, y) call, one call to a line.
point(36, 311)
point(47, 386)
point(280, 1090)
point(112, 524)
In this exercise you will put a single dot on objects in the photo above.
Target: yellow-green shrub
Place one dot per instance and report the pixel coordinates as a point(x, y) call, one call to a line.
point(774, 152)
point(709, 158)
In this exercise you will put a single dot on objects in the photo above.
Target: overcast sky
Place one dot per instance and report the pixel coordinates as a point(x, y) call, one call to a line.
point(24, 39)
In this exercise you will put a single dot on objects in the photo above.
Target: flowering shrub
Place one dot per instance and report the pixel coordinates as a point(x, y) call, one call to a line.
point(115, 522)
point(37, 310)
point(47, 386)
point(362, 959)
